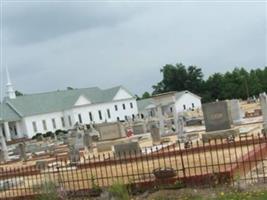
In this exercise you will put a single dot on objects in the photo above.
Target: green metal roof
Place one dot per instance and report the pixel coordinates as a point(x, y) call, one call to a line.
point(33, 104)
point(7, 113)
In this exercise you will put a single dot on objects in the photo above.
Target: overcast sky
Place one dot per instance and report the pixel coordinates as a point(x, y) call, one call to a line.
point(49, 46)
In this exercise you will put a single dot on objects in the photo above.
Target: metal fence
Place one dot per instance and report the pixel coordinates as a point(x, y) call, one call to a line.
point(218, 161)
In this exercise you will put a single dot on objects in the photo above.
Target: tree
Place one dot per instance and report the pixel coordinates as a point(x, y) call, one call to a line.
point(146, 95)
point(18, 93)
point(178, 77)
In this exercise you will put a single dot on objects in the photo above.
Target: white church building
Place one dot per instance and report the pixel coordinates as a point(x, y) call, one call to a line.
point(183, 101)
point(27, 115)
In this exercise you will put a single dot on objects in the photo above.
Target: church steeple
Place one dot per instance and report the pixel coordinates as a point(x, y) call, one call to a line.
point(9, 87)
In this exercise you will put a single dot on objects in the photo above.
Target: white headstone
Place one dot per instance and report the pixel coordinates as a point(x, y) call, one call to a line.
point(263, 103)
point(236, 111)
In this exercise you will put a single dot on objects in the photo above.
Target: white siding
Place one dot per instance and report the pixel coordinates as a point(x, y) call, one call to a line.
point(187, 100)
point(27, 126)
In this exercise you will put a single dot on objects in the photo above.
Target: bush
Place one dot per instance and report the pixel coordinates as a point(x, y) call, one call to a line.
point(48, 191)
point(119, 191)
point(48, 134)
point(60, 131)
point(38, 136)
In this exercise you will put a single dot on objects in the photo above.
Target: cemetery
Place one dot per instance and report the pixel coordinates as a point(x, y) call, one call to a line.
point(195, 145)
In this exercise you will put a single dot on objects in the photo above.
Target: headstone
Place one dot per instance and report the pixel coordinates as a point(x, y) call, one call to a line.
point(79, 143)
point(180, 123)
point(236, 112)
point(109, 131)
point(139, 128)
point(217, 116)
point(155, 134)
point(161, 120)
point(131, 148)
point(22, 151)
point(74, 156)
point(87, 141)
point(103, 146)
point(263, 103)
point(94, 134)
point(41, 164)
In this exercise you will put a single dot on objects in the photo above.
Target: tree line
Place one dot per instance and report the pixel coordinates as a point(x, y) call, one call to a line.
point(238, 83)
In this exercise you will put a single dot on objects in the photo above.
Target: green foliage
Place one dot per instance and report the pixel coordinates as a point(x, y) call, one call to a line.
point(239, 83)
point(48, 191)
point(18, 93)
point(146, 95)
point(242, 196)
point(119, 191)
point(38, 136)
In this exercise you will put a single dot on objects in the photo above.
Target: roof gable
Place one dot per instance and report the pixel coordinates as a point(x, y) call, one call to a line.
point(181, 93)
point(122, 94)
point(82, 100)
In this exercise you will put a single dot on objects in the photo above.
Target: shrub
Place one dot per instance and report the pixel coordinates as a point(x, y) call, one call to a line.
point(119, 191)
point(38, 136)
point(48, 191)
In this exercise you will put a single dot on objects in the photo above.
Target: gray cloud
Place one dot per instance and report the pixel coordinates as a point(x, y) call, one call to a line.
point(111, 45)
point(37, 23)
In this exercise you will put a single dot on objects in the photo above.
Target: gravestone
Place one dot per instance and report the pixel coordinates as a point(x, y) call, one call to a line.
point(87, 141)
point(103, 146)
point(180, 125)
point(127, 149)
point(74, 156)
point(217, 116)
point(155, 134)
point(79, 143)
point(41, 164)
point(263, 103)
point(236, 112)
point(139, 128)
point(22, 151)
point(109, 131)
point(94, 134)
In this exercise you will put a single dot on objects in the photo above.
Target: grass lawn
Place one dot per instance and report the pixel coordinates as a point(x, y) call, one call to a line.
point(209, 194)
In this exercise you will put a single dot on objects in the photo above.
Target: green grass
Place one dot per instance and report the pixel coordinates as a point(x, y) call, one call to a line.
point(230, 195)
point(243, 195)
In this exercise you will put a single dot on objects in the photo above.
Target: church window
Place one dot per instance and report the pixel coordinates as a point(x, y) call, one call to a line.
point(131, 105)
point(63, 121)
point(123, 106)
point(70, 122)
point(184, 107)
point(80, 118)
point(193, 105)
point(91, 116)
point(116, 107)
point(34, 126)
point(108, 112)
point(54, 123)
point(100, 114)
point(44, 125)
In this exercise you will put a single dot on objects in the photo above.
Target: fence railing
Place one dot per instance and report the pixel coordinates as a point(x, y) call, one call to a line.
point(213, 162)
